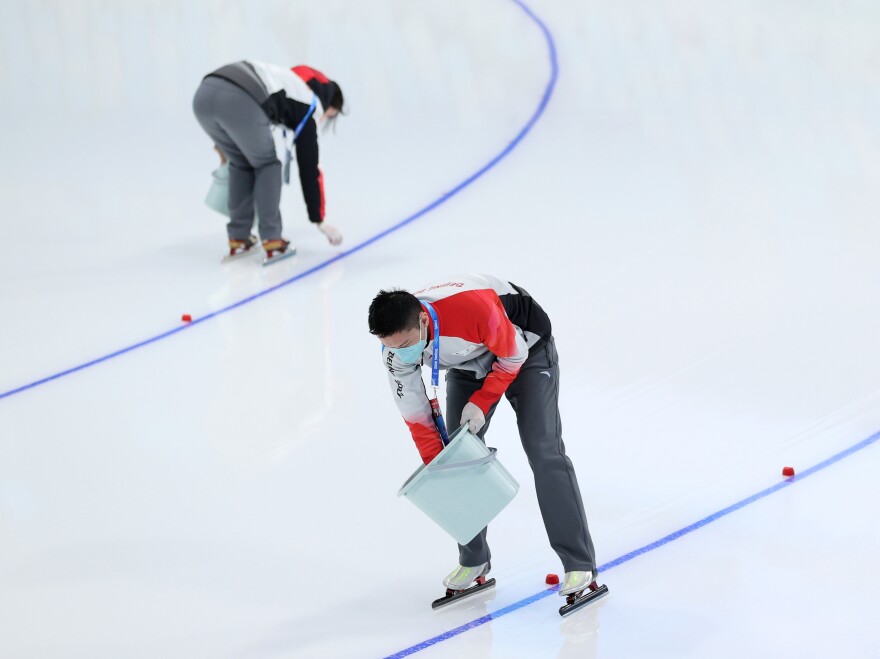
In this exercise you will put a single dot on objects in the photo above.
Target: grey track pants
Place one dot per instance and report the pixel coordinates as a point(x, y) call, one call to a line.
point(534, 396)
point(241, 130)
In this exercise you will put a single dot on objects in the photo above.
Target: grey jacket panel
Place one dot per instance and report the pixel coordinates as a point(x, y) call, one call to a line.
point(242, 75)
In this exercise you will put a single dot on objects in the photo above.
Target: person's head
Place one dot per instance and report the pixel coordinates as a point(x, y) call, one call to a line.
point(397, 319)
point(335, 106)
point(337, 101)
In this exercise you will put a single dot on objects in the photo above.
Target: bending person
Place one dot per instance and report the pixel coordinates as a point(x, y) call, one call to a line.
point(494, 340)
point(237, 105)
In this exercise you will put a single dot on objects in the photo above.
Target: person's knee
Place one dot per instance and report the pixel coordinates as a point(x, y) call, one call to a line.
point(238, 162)
point(266, 164)
point(543, 449)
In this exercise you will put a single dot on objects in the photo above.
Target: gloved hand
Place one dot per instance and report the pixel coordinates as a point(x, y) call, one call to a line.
point(473, 416)
point(332, 233)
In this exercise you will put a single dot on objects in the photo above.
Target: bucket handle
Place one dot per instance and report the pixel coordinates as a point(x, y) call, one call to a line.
point(469, 463)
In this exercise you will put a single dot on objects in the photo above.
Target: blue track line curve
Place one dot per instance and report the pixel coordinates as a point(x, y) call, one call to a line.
point(445, 636)
point(542, 105)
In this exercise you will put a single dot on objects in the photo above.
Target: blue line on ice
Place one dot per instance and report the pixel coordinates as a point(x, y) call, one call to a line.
point(346, 253)
point(445, 636)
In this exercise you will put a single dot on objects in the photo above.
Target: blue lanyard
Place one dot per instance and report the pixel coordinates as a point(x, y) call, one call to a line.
point(435, 375)
point(435, 353)
point(288, 155)
point(302, 123)
point(305, 118)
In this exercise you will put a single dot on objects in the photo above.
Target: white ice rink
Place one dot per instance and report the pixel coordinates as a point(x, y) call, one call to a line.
point(697, 206)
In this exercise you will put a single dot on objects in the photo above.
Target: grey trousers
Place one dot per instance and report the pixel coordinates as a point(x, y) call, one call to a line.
point(534, 396)
point(241, 130)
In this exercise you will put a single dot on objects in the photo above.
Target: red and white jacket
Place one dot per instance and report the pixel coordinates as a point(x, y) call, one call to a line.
point(290, 94)
point(487, 326)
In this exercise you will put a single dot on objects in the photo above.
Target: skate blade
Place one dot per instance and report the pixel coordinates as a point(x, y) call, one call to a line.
point(290, 252)
point(236, 257)
point(462, 594)
point(582, 601)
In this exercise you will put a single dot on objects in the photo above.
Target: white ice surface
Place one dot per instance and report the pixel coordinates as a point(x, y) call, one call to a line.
point(697, 210)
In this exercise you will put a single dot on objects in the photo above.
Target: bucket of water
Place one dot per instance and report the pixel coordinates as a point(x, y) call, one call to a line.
point(463, 488)
point(218, 193)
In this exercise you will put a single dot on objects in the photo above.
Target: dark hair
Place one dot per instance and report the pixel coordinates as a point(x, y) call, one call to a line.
point(393, 311)
point(337, 102)
point(336, 99)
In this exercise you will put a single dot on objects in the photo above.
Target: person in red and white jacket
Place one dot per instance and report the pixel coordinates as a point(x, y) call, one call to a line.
point(237, 105)
point(495, 340)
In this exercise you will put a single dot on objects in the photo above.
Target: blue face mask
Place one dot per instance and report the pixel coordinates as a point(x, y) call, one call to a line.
point(413, 354)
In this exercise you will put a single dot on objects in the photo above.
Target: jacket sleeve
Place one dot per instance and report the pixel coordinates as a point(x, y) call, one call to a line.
point(310, 176)
point(409, 393)
point(506, 342)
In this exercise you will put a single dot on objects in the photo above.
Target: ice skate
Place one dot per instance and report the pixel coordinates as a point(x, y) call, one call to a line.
point(276, 250)
point(579, 588)
point(241, 247)
point(463, 582)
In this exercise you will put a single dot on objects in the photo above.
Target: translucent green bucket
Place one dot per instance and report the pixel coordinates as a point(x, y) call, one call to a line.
point(463, 488)
point(218, 193)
